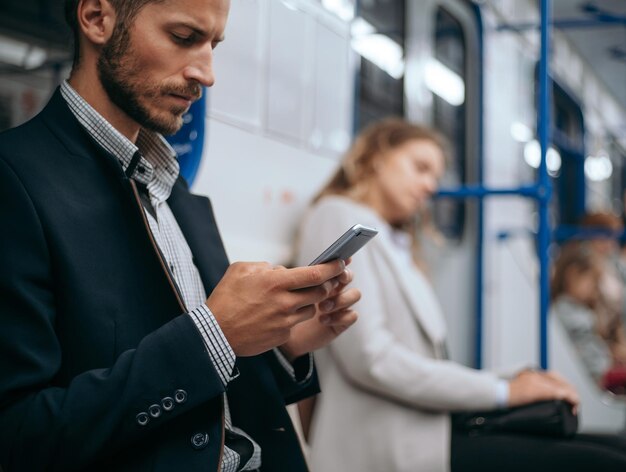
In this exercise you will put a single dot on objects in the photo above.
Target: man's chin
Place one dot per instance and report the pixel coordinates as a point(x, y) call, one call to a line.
point(166, 127)
point(169, 131)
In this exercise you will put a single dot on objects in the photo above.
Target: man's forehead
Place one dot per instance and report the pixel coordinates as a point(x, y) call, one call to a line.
point(196, 8)
point(208, 16)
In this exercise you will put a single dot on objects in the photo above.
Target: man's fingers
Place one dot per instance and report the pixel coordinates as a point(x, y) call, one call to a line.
point(345, 277)
point(345, 299)
point(342, 280)
point(312, 295)
point(345, 317)
point(309, 276)
point(339, 321)
point(302, 314)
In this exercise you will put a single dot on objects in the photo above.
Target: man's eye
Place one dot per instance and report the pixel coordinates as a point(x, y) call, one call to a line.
point(185, 40)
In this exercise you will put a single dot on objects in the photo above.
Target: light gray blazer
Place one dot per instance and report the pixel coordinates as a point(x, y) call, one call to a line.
point(386, 386)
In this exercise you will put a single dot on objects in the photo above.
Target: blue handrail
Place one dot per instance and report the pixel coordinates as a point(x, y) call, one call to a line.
point(545, 185)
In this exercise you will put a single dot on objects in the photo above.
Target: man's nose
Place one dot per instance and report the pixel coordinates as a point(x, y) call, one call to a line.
point(201, 69)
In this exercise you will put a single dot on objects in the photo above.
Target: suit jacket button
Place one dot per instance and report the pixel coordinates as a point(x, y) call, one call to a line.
point(142, 418)
point(167, 403)
point(180, 396)
point(154, 410)
point(199, 441)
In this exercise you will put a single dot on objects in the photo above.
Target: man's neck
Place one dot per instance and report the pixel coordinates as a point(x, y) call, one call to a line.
point(87, 84)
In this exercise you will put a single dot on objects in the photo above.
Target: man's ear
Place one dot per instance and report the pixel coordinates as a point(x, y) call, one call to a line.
point(96, 20)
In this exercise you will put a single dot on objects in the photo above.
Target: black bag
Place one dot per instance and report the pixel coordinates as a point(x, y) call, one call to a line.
point(548, 418)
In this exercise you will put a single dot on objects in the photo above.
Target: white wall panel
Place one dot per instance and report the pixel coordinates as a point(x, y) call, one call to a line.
point(260, 168)
point(289, 59)
point(239, 64)
point(333, 91)
point(260, 189)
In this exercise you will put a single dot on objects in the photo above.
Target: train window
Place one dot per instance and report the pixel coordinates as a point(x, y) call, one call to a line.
point(449, 117)
point(380, 83)
point(566, 159)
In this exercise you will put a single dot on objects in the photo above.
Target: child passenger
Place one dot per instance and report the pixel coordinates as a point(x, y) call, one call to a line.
point(577, 302)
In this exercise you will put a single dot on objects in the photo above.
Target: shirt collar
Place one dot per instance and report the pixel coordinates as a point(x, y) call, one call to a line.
point(158, 167)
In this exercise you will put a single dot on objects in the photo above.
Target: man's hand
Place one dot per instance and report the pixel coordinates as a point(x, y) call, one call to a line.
point(333, 317)
point(531, 386)
point(257, 304)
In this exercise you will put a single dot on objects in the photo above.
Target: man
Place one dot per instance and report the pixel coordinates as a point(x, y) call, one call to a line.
point(111, 355)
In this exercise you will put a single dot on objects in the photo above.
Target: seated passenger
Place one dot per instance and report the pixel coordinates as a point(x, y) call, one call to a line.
point(605, 228)
point(577, 303)
point(388, 387)
point(611, 306)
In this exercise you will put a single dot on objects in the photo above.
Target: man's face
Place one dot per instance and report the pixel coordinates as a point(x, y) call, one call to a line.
point(155, 69)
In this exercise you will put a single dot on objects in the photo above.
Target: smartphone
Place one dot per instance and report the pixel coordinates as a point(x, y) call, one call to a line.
point(349, 243)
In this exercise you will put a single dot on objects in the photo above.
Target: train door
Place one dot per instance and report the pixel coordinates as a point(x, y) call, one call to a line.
point(443, 88)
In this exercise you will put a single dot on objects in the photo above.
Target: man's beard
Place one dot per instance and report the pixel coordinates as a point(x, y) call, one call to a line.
point(127, 88)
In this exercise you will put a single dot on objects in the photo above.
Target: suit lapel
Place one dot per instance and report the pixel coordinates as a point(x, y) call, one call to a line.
point(193, 214)
point(60, 120)
point(417, 291)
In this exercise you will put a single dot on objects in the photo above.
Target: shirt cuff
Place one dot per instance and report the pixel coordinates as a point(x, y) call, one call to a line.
point(502, 394)
point(302, 368)
point(220, 352)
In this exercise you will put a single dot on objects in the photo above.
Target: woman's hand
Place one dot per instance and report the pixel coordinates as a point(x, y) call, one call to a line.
point(532, 386)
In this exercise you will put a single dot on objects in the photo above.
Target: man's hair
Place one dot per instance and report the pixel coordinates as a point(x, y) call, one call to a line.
point(126, 11)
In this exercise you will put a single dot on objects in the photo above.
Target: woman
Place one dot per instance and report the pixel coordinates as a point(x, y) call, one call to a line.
point(388, 387)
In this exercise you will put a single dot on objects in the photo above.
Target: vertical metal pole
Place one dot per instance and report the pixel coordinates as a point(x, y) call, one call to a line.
point(478, 360)
point(480, 243)
point(545, 189)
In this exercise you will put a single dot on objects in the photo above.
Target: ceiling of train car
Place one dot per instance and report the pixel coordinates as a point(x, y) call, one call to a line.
point(603, 44)
point(597, 29)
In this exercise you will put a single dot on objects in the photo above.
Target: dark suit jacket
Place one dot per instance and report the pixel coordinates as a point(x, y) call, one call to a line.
point(91, 329)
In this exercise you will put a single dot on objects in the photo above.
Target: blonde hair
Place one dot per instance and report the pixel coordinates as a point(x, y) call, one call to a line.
point(371, 144)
